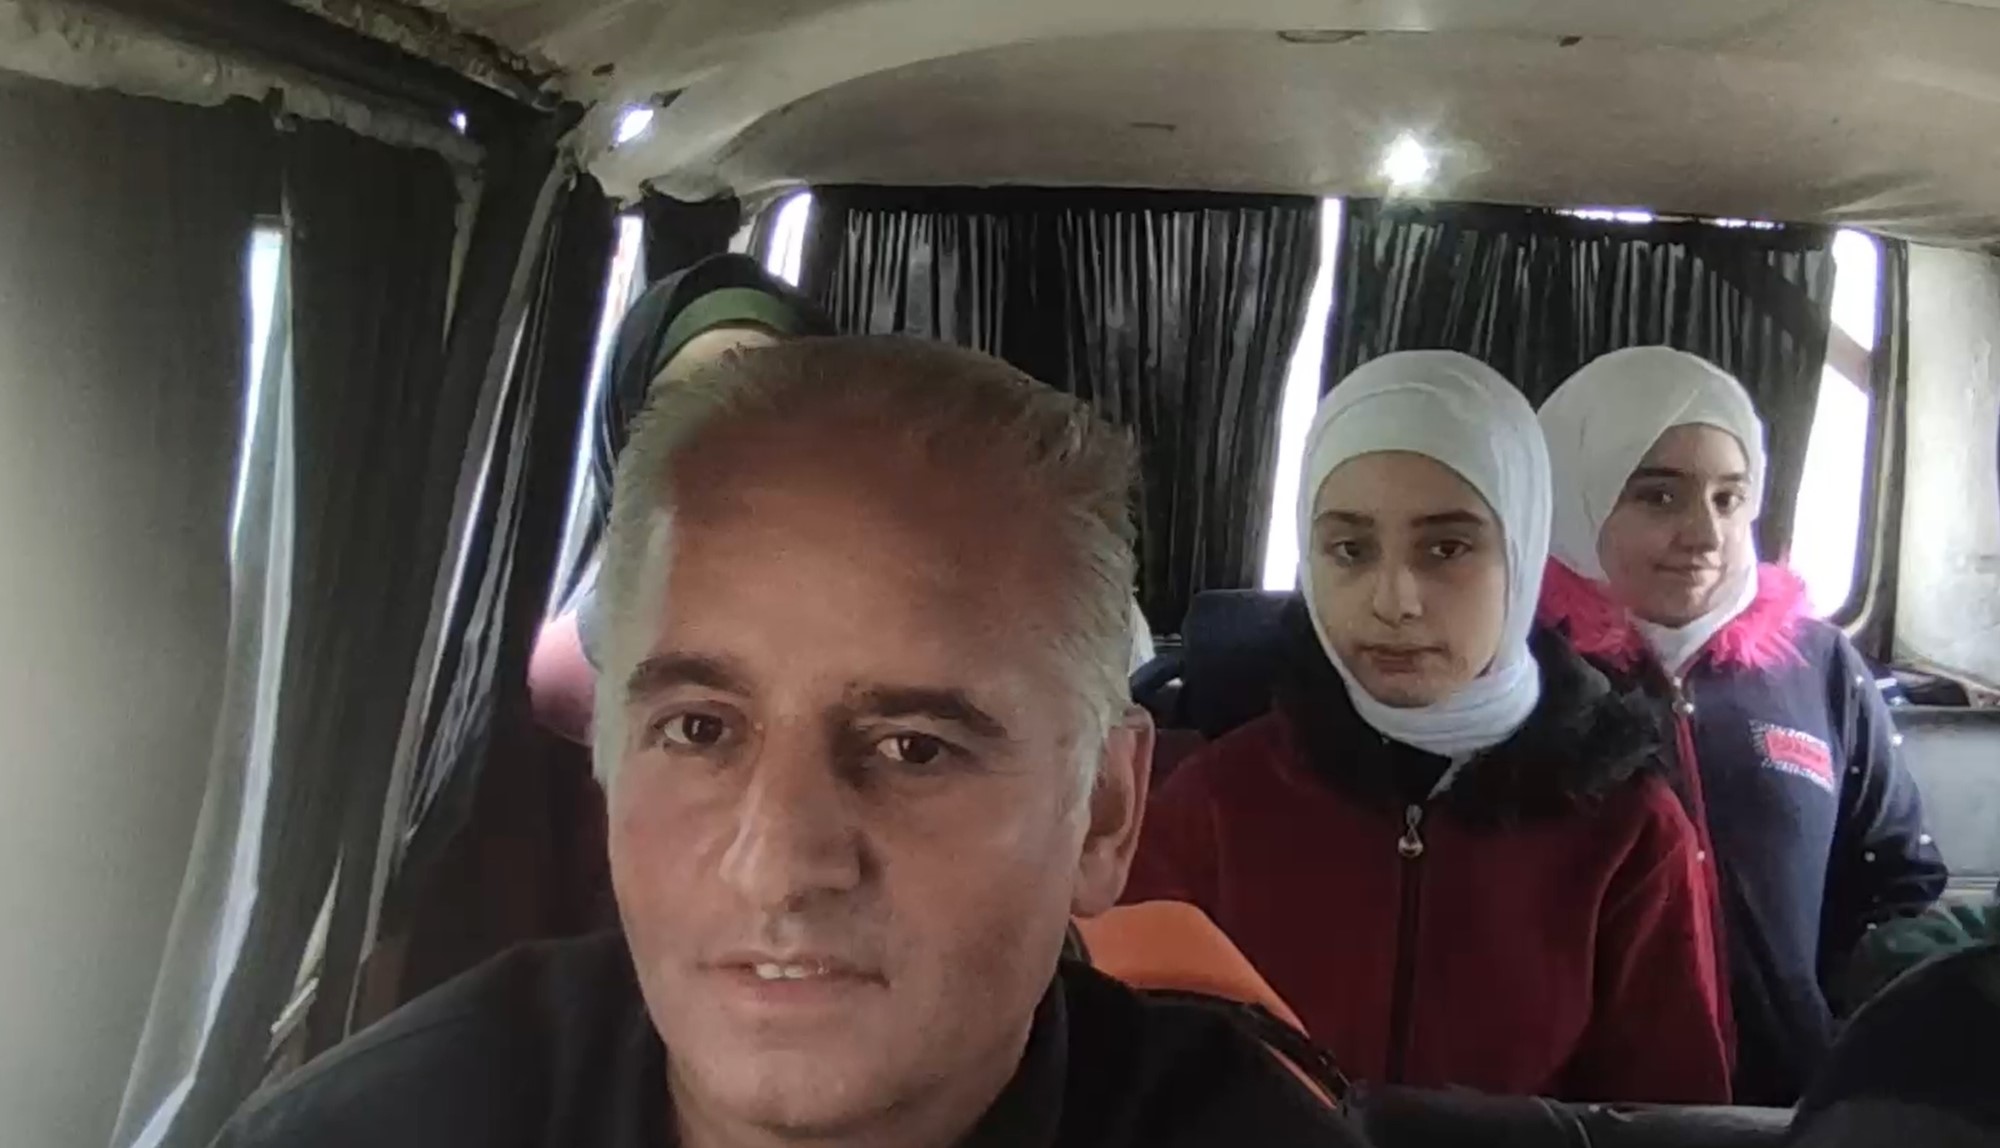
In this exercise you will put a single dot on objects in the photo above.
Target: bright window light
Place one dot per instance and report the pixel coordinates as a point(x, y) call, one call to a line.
point(1826, 525)
point(788, 238)
point(1407, 164)
point(267, 249)
point(1302, 388)
point(633, 123)
point(1612, 214)
point(626, 279)
point(1857, 263)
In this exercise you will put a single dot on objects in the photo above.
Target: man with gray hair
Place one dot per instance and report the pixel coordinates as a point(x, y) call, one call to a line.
point(868, 749)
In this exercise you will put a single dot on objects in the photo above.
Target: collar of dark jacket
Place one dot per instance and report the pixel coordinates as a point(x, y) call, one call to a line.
point(1028, 1113)
point(1583, 740)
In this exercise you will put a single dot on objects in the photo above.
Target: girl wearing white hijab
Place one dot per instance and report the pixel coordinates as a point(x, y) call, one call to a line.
point(1447, 847)
point(1783, 749)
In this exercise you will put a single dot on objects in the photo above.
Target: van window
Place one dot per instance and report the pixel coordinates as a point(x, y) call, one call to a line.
point(1826, 530)
point(1302, 388)
point(267, 249)
point(787, 251)
point(626, 279)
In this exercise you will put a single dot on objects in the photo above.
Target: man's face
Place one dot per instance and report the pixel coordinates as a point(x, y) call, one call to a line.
point(847, 831)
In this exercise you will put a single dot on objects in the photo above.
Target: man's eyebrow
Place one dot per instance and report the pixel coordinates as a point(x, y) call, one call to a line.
point(670, 670)
point(939, 703)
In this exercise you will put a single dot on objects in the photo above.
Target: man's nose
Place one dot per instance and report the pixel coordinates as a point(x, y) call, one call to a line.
point(1396, 597)
point(793, 840)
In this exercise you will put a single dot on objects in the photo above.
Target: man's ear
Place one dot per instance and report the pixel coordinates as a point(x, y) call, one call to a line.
point(1117, 803)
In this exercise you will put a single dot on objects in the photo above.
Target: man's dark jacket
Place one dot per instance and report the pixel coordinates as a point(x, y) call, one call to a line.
point(550, 1046)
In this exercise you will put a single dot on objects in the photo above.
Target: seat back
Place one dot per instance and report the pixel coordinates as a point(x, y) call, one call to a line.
point(1232, 641)
point(1395, 1117)
point(1172, 949)
point(1954, 754)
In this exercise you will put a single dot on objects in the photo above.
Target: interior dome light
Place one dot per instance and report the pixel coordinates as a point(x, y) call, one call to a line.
point(1407, 164)
point(632, 123)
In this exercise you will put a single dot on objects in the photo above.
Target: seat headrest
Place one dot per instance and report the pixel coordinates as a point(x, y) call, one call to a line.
point(1232, 643)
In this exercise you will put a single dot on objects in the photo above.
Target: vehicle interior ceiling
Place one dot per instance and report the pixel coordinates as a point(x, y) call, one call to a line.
point(1877, 116)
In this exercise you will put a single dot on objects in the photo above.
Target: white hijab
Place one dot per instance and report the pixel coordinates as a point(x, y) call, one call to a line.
point(1460, 412)
point(1601, 422)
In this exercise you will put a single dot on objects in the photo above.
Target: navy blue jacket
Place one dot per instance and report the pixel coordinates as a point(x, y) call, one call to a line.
point(1785, 755)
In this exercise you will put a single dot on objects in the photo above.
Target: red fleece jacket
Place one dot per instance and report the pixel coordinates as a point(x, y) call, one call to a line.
point(1564, 954)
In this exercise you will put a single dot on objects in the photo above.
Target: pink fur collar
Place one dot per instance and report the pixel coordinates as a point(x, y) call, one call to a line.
point(1758, 638)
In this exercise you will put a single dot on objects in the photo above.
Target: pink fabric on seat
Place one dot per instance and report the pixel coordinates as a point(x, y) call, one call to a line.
point(560, 682)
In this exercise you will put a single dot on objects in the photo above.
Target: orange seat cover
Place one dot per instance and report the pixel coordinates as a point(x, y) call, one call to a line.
point(1173, 945)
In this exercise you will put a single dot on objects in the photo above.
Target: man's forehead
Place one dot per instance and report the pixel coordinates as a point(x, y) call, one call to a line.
point(953, 518)
point(850, 546)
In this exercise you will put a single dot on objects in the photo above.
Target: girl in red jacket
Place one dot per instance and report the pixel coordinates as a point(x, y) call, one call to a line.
point(1447, 847)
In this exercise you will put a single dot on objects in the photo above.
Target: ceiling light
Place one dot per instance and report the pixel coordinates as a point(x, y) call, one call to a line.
point(1407, 165)
point(459, 123)
point(632, 123)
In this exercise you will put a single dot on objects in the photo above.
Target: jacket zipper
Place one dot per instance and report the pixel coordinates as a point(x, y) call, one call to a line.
point(1711, 865)
point(1683, 705)
point(1409, 847)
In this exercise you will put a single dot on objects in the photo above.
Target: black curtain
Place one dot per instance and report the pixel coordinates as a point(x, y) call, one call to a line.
point(372, 232)
point(1888, 452)
point(680, 234)
point(1537, 294)
point(124, 228)
point(482, 682)
point(1175, 314)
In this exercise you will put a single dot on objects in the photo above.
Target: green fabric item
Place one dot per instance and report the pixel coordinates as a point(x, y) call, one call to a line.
point(729, 307)
point(1895, 947)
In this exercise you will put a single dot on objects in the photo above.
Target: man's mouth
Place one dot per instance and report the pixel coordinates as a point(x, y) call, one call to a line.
point(792, 971)
point(775, 968)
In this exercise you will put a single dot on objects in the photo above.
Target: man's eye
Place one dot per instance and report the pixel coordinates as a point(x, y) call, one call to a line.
point(912, 749)
point(693, 731)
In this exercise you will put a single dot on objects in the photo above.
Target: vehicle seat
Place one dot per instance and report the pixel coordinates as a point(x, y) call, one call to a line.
point(1918, 1062)
point(1221, 676)
point(1954, 754)
point(1421, 1118)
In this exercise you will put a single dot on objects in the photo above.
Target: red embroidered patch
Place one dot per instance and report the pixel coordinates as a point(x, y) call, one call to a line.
point(1796, 753)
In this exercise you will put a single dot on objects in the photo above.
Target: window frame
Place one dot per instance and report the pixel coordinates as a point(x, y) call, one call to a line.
point(1864, 616)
